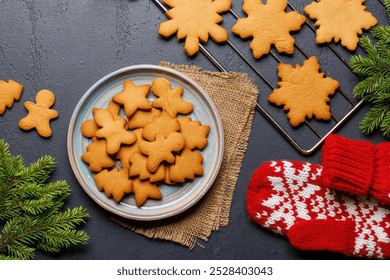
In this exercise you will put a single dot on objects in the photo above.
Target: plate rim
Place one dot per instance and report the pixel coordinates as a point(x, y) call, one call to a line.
point(79, 176)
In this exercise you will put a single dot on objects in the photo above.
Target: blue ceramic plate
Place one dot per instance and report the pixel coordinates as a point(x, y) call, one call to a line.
point(176, 199)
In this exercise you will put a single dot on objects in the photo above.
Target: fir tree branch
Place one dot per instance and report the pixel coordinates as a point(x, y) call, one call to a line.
point(375, 88)
point(31, 209)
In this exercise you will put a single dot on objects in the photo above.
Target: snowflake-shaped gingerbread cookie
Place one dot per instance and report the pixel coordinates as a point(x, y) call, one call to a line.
point(341, 20)
point(304, 91)
point(269, 25)
point(195, 20)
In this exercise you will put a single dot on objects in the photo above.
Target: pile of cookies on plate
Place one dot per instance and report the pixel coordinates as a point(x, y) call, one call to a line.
point(155, 141)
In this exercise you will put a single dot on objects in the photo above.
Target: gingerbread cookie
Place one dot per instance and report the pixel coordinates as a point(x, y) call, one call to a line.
point(39, 113)
point(126, 151)
point(138, 169)
point(112, 130)
point(133, 97)
point(165, 124)
point(195, 20)
point(187, 165)
point(341, 20)
point(115, 183)
point(194, 133)
point(170, 100)
point(96, 156)
point(161, 149)
point(269, 25)
point(89, 127)
point(9, 92)
point(303, 91)
point(140, 118)
point(144, 190)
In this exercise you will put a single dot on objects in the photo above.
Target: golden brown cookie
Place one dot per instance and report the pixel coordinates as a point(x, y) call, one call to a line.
point(39, 113)
point(9, 92)
point(140, 118)
point(161, 149)
point(89, 127)
point(167, 179)
point(187, 165)
point(126, 151)
point(269, 25)
point(195, 20)
point(138, 169)
point(341, 20)
point(115, 183)
point(96, 156)
point(303, 91)
point(144, 190)
point(133, 97)
point(112, 130)
point(170, 100)
point(165, 124)
point(194, 133)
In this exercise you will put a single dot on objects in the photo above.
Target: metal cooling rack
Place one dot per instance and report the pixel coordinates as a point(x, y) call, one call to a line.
point(355, 105)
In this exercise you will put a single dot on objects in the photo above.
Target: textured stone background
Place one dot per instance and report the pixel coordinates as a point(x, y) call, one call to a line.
point(66, 46)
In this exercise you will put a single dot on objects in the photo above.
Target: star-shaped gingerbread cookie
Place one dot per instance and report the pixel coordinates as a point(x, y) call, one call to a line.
point(269, 25)
point(161, 149)
point(170, 100)
point(113, 130)
point(144, 190)
point(304, 91)
point(341, 20)
point(133, 97)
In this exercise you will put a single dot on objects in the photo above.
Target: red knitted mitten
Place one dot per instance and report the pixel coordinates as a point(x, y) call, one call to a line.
point(288, 198)
point(357, 167)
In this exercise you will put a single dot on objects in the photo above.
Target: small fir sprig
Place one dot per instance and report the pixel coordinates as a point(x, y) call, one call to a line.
point(375, 88)
point(31, 214)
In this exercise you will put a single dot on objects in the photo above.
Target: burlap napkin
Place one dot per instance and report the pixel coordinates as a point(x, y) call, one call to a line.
point(234, 95)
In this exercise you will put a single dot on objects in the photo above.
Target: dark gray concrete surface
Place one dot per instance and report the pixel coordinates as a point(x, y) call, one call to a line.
point(66, 46)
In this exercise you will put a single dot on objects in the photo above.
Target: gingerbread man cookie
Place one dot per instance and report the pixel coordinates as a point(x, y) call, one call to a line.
point(39, 113)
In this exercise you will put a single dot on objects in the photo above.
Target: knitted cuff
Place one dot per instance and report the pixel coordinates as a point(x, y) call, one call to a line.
point(380, 188)
point(348, 165)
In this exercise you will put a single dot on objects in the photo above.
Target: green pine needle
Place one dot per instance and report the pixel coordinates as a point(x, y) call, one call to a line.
point(375, 88)
point(31, 209)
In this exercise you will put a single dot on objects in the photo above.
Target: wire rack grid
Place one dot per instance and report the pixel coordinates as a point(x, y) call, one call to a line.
point(289, 134)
